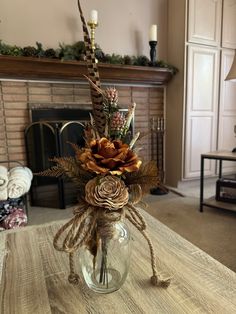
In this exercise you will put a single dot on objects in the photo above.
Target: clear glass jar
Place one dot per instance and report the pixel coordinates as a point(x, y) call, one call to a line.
point(108, 270)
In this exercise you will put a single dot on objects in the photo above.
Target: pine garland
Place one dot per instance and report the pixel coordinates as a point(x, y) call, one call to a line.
point(77, 52)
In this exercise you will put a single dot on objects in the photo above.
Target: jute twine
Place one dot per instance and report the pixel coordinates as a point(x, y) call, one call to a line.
point(78, 231)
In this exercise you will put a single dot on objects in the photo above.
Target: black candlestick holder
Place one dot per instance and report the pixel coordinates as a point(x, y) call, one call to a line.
point(152, 44)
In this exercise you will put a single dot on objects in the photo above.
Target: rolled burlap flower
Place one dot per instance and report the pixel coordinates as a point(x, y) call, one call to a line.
point(108, 192)
point(106, 156)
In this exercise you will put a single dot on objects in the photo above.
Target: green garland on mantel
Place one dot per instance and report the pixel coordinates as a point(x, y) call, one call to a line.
point(76, 51)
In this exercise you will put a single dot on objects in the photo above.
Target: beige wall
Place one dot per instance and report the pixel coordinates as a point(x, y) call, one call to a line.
point(123, 24)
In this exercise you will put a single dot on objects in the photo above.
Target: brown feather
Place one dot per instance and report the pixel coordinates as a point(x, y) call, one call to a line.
point(93, 73)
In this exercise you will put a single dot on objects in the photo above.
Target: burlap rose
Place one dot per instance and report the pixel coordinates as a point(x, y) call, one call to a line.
point(108, 192)
point(106, 156)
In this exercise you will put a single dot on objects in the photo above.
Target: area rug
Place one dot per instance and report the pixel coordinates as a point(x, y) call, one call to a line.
point(213, 230)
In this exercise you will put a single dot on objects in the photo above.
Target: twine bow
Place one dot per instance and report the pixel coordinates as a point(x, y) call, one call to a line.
point(78, 231)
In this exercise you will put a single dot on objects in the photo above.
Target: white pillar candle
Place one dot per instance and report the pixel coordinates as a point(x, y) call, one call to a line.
point(153, 33)
point(94, 16)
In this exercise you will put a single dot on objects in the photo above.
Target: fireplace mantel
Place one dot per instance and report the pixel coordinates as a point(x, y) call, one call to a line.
point(27, 68)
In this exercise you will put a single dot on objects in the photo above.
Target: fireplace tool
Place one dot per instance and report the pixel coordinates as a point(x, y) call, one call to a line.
point(157, 137)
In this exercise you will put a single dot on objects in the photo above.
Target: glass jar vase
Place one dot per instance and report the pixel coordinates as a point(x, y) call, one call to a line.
point(106, 271)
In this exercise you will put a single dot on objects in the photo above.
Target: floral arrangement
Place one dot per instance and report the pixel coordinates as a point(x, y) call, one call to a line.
point(109, 175)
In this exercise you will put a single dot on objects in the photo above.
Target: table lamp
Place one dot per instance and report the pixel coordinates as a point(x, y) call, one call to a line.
point(232, 77)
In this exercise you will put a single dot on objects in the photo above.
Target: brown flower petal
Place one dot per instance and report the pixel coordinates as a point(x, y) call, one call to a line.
point(131, 167)
point(107, 148)
point(93, 143)
point(122, 154)
point(132, 158)
point(85, 156)
point(98, 156)
point(117, 144)
point(95, 168)
point(109, 163)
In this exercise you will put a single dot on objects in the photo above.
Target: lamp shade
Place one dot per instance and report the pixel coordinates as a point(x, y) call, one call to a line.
point(232, 72)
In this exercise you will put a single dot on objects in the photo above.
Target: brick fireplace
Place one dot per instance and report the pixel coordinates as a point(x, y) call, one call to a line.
point(18, 97)
point(27, 83)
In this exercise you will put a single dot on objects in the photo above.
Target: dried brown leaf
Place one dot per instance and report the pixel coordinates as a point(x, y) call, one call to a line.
point(75, 147)
point(69, 167)
point(146, 177)
point(55, 171)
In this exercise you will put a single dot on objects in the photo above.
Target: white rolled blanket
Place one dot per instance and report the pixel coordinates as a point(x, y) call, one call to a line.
point(3, 195)
point(19, 181)
point(3, 183)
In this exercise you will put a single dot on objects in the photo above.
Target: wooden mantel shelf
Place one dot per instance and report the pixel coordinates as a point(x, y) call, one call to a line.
point(47, 69)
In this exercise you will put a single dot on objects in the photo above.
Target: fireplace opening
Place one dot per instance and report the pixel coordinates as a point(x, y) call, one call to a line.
point(47, 137)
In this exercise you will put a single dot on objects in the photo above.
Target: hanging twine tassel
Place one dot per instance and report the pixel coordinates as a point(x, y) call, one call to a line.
point(138, 221)
point(76, 232)
point(156, 279)
point(73, 277)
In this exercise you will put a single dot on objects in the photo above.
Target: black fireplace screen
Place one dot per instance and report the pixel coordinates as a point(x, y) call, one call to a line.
point(47, 137)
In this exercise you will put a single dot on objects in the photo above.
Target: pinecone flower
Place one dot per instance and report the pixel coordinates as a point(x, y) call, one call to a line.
point(117, 123)
point(109, 192)
point(111, 95)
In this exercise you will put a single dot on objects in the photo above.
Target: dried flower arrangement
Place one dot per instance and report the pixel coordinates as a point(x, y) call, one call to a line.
point(109, 175)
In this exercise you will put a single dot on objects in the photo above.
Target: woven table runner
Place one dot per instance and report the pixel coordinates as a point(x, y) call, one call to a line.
point(4, 234)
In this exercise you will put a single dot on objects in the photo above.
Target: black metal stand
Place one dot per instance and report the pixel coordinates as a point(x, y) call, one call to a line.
point(216, 157)
point(159, 131)
point(153, 55)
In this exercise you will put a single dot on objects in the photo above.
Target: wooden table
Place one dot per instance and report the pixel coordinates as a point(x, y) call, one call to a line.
point(220, 156)
point(34, 278)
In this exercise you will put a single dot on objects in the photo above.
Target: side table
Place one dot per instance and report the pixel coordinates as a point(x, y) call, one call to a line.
point(220, 156)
